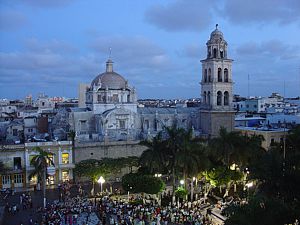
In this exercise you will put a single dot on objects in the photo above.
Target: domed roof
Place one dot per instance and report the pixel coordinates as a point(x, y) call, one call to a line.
point(216, 34)
point(109, 79)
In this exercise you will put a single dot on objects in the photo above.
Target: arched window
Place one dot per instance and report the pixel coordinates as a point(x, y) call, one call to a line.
point(215, 53)
point(226, 75)
point(204, 97)
point(221, 54)
point(219, 75)
point(205, 75)
point(209, 75)
point(208, 97)
point(219, 98)
point(226, 98)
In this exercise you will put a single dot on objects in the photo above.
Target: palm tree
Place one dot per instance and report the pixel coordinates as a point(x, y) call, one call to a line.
point(174, 141)
point(40, 163)
point(192, 157)
point(227, 148)
point(155, 157)
point(72, 136)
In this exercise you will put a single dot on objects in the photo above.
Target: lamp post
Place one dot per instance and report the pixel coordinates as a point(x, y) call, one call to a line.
point(192, 188)
point(101, 181)
point(128, 193)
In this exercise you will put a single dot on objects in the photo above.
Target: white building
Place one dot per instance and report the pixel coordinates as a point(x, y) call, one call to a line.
point(111, 112)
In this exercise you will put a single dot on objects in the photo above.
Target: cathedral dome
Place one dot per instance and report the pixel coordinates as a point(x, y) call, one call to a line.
point(216, 34)
point(109, 79)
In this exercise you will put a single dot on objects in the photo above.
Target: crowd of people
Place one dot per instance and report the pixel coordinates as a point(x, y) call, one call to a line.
point(115, 210)
point(68, 212)
point(25, 203)
point(121, 212)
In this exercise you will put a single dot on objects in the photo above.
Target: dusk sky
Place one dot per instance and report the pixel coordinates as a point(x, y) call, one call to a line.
point(50, 46)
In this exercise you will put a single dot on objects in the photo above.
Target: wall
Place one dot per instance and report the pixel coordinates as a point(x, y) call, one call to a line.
point(99, 150)
point(212, 121)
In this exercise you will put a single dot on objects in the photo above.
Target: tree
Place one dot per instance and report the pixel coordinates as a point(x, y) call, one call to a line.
point(72, 136)
point(227, 147)
point(181, 192)
point(223, 176)
point(261, 211)
point(92, 169)
point(276, 199)
point(192, 157)
point(40, 163)
point(155, 158)
point(142, 183)
point(175, 144)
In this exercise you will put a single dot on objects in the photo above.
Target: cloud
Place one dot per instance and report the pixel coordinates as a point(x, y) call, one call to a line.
point(192, 15)
point(269, 64)
point(194, 51)
point(261, 11)
point(12, 20)
point(54, 45)
point(273, 48)
point(39, 3)
point(132, 51)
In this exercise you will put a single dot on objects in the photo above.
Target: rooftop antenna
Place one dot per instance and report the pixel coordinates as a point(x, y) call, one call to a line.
point(248, 86)
point(284, 132)
point(299, 79)
point(284, 91)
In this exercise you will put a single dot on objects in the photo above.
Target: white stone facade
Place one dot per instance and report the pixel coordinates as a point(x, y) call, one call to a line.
point(114, 115)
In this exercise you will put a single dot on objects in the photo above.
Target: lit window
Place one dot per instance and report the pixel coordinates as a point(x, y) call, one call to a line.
point(48, 161)
point(65, 175)
point(65, 158)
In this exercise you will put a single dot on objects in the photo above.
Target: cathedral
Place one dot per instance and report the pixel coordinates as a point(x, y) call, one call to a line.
point(111, 111)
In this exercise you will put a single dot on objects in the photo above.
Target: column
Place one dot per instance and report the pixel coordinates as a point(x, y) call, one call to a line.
point(59, 175)
point(59, 155)
point(70, 157)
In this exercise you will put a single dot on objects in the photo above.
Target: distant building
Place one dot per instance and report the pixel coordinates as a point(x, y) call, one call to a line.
point(270, 135)
point(81, 95)
point(13, 159)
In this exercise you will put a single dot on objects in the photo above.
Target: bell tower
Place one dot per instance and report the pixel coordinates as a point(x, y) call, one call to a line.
point(216, 86)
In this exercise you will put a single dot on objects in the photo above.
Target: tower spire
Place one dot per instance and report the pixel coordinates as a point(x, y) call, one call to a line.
point(109, 53)
point(109, 63)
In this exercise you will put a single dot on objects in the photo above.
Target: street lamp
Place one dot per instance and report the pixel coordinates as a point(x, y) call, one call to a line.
point(249, 185)
point(181, 182)
point(192, 188)
point(101, 181)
